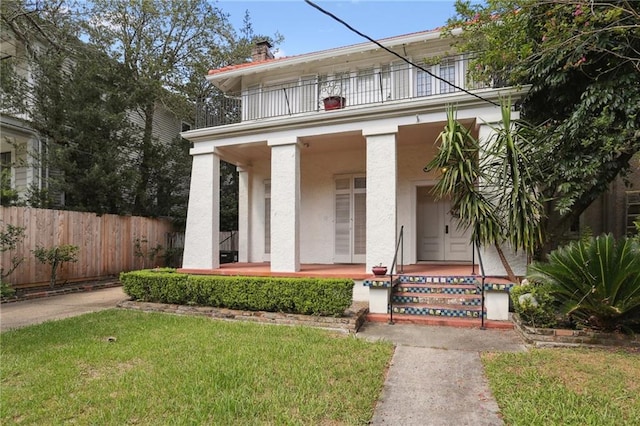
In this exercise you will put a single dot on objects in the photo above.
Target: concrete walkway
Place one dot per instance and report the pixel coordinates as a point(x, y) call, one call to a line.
point(35, 311)
point(436, 377)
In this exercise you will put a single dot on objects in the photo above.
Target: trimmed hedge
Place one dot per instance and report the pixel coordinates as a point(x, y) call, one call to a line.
point(307, 296)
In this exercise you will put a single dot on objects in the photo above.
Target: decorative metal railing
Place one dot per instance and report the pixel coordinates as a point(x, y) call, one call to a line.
point(324, 93)
point(399, 248)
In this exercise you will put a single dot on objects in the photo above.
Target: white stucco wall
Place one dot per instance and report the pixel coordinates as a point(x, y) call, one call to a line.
point(202, 249)
point(317, 215)
point(493, 265)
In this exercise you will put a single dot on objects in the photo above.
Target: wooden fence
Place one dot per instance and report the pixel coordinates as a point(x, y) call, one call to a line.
point(107, 243)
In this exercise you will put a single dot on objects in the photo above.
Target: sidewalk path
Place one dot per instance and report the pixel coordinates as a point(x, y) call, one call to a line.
point(436, 377)
point(35, 311)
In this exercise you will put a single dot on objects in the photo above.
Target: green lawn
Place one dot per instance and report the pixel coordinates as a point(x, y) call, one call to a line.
point(165, 369)
point(566, 386)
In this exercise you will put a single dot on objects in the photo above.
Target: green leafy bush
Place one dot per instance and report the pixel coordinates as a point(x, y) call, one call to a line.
point(56, 256)
point(309, 296)
point(534, 305)
point(596, 281)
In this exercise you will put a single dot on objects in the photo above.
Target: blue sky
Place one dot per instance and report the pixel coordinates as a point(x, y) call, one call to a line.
point(306, 29)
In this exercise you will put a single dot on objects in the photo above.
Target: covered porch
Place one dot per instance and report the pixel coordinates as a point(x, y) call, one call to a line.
point(356, 272)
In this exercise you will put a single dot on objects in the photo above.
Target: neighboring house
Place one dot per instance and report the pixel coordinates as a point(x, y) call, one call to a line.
point(21, 147)
point(335, 183)
point(19, 143)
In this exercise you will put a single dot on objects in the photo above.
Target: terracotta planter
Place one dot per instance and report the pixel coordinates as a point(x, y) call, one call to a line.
point(334, 102)
point(379, 270)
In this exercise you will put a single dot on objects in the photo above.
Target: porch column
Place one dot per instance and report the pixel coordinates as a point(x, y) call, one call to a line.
point(202, 241)
point(285, 204)
point(381, 195)
point(244, 209)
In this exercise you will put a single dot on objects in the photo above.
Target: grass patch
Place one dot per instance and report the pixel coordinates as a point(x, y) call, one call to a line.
point(186, 370)
point(566, 386)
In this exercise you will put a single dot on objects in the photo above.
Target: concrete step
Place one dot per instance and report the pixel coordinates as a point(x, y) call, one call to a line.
point(439, 321)
point(456, 311)
point(437, 279)
point(437, 288)
point(401, 297)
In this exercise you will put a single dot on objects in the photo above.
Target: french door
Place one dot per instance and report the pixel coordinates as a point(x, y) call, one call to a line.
point(350, 234)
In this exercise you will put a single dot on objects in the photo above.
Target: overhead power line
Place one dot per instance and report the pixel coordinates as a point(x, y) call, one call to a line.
point(312, 4)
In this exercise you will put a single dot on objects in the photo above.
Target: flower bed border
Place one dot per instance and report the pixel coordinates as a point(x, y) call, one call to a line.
point(555, 337)
point(350, 322)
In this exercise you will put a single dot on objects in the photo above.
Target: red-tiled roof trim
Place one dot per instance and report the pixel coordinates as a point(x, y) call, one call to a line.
point(251, 64)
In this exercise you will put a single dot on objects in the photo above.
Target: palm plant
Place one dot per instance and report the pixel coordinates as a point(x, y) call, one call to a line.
point(491, 187)
point(595, 281)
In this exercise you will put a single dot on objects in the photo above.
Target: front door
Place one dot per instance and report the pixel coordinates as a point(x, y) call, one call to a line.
point(350, 219)
point(439, 238)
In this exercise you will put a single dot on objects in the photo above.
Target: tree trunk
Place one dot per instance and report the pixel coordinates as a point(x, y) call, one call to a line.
point(505, 263)
point(142, 205)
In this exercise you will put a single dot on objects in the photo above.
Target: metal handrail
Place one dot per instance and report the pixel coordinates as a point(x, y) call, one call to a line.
point(399, 246)
point(482, 274)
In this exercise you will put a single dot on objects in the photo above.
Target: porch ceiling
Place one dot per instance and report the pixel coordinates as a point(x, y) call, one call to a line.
point(415, 134)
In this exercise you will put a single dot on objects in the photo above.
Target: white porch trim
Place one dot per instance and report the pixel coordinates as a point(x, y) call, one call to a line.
point(202, 245)
point(382, 175)
point(244, 209)
point(285, 205)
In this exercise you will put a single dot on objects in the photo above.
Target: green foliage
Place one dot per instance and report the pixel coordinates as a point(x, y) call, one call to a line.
point(596, 282)
point(494, 195)
point(537, 307)
point(10, 236)
point(6, 290)
point(582, 64)
point(308, 296)
point(56, 257)
point(146, 254)
point(8, 195)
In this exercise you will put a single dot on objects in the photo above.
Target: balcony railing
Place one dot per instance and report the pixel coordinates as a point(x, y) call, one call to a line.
point(364, 87)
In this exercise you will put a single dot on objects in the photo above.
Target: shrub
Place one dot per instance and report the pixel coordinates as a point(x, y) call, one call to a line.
point(10, 237)
point(310, 296)
point(596, 281)
point(534, 305)
point(56, 256)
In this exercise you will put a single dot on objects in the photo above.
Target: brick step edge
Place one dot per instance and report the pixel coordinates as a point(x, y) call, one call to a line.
point(441, 321)
point(49, 292)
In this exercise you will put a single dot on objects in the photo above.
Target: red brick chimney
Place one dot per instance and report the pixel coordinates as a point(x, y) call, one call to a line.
point(261, 51)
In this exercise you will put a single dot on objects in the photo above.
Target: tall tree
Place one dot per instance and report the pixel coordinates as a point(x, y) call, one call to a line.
point(157, 42)
point(582, 62)
point(76, 99)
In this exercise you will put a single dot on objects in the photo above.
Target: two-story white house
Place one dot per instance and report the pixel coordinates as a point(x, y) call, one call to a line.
point(324, 183)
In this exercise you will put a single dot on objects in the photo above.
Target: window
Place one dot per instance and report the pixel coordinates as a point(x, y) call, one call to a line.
point(423, 84)
point(448, 73)
point(5, 160)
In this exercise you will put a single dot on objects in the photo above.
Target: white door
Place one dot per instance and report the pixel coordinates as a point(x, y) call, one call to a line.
point(439, 238)
point(350, 219)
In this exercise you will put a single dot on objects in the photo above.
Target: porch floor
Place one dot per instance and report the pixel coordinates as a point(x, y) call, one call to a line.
point(353, 271)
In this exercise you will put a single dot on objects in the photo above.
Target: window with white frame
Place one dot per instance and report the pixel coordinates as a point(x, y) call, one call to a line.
point(447, 72)
point(424, 84)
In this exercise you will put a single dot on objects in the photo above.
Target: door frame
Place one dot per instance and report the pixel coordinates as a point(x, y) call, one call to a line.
point(352, 257)
point(414, 213)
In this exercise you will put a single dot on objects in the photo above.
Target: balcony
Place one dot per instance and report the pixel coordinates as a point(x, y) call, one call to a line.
point(368, 87)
